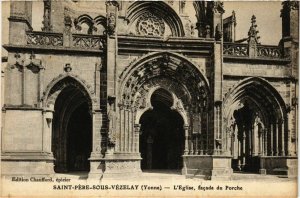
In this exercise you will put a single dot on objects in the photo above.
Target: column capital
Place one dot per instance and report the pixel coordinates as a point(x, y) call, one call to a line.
point(186, 127)
point(137, 128)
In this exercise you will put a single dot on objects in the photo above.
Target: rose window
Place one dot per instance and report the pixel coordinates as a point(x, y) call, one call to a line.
point(150, 25)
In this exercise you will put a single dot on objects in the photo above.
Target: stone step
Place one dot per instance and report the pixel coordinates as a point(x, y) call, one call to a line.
point(252, 176)
point(280, 171)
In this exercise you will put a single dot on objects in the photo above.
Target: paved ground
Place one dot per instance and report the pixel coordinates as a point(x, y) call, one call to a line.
point(152, 184)
point(176, 175)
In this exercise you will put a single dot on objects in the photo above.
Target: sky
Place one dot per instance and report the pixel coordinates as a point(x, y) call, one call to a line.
point(268, 19)
point(267, 16)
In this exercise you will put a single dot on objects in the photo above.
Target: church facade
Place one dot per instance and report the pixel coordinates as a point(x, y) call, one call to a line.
point(117, 87)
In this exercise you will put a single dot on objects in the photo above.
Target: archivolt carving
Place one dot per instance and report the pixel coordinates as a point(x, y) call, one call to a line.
point(164, 70)
point(273, 102)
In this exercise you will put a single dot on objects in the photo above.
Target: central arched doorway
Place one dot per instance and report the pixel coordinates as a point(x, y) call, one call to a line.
point(72, 127)
point(162, 139)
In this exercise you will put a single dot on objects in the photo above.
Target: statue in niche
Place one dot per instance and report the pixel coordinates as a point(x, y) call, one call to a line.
point(218, 33)
point(111, 23)
point(232, 130)
point(231, 125)
point(257, 133)
point(111, 116)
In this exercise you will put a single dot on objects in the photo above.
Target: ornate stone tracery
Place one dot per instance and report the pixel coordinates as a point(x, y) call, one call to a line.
point(150, 25)
point(163, 11)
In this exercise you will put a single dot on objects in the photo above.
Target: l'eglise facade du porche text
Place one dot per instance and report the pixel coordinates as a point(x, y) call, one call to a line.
point(117, 87)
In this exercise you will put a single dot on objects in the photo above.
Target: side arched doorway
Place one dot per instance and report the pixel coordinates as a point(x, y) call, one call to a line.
point(72, 127)
point(162, 134)
point(257, 124)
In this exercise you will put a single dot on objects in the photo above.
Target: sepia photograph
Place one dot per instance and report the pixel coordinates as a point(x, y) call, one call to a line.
point(174, 98)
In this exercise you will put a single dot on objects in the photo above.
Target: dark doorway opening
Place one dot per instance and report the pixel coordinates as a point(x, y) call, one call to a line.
point(246, 144)
point(162, 139)
point(71, 131)
point(79, 139)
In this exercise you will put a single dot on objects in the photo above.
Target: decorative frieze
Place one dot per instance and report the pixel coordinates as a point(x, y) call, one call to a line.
point(87, 41)
point(261, 51)
point(44, 39)
point(235, 49)
point(81, 41)
point(269, 51)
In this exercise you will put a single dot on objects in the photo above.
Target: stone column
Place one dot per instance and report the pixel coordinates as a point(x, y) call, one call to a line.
point(112, 49)
point(123, 130)
point(254, 143)
point(96, 166)
point(264, 142)
point(217, 128)
point(24, 78)
point(239, 154)
point(186, 141)
point(288, 135)
point(260, 140)
point(67, 33)
point(41, 84)
point(243, 154)
point(192, 151)
point(120, 131)
point(282, 138)
point(271, 140)
point(126, 134)
point(232, 144)
point(47, 130)
point(276, 137)
point(137, 128)
point(96, 120)
point(196, 144)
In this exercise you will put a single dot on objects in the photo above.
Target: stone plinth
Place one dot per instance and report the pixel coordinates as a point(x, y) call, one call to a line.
point(278, 165)
point(207, 166)
point(24, 163)
point(121, 166)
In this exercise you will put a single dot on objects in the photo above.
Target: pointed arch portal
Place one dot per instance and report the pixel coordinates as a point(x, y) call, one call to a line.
point(163, 111)
point(256, 121)
point(71, 126)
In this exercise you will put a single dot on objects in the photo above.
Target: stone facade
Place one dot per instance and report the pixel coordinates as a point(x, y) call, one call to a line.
point(95, 88)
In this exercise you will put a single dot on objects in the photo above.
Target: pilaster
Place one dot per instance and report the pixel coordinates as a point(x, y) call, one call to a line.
point(19, 21)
